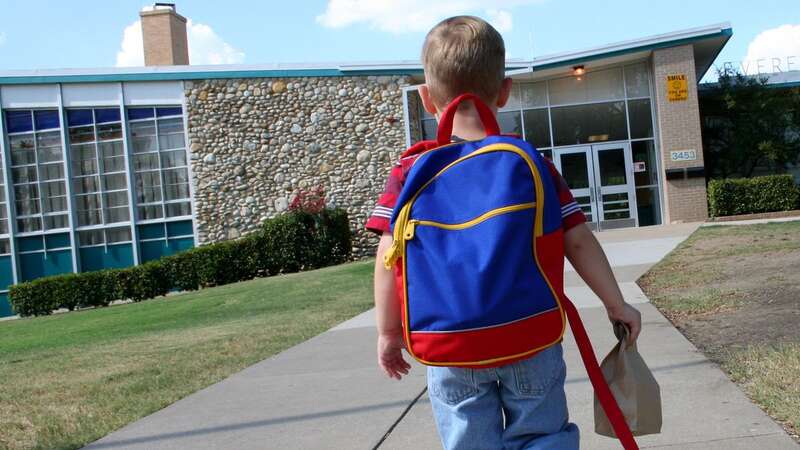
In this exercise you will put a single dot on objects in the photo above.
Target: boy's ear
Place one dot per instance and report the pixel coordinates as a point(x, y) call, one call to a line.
point(505, 92)
point(427, 100)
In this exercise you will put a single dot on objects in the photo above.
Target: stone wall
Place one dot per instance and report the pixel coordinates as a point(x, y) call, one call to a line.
point(255, 142)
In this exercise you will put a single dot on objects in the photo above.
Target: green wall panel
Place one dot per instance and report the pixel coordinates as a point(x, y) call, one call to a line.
point(97, 258)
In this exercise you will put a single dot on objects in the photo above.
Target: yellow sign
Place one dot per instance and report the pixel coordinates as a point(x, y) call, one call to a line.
point(677, 87)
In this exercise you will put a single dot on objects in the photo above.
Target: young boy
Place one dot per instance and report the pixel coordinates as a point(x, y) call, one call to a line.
point(522, 404)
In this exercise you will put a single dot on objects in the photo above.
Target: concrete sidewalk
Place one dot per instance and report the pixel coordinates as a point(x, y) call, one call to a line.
point(327, 393)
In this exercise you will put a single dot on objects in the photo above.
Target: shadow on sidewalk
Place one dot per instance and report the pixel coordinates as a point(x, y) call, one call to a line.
point(246, 425)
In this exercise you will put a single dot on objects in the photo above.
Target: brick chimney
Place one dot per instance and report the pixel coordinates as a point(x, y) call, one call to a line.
point(164, 36)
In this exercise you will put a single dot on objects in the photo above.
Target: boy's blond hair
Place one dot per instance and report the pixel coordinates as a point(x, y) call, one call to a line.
point(463, 54)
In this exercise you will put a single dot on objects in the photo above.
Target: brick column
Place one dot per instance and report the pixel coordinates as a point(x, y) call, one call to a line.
point(679, 129)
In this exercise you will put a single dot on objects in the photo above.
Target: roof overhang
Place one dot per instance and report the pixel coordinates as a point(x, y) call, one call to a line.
point(706, 43)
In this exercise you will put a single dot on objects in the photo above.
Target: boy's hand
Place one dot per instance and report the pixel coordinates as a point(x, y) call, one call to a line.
point(390, 355)
point(628, 315)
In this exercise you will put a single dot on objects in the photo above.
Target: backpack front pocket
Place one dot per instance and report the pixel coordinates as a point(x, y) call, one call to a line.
point(477, 274)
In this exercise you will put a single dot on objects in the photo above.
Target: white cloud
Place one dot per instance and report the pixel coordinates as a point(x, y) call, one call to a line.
point(131, 52)
point(396, 16)
point(205, 46)
point(776, 49)
point(500, 19)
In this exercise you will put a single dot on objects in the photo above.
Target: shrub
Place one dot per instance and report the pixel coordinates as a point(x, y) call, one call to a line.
point(730, 197)
point(298, 240)
point(309, 200)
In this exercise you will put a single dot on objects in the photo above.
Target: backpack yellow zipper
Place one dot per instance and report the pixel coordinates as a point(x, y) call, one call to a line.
point(402, 227)
point(412, 224)
point(407, 228)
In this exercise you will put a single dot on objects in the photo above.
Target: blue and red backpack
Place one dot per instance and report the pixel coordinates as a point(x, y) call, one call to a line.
point(478, 256)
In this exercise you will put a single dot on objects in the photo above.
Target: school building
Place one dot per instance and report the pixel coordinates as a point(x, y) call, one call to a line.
point(114, 167)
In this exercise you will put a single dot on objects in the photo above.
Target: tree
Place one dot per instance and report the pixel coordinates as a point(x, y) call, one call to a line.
point(748, 124)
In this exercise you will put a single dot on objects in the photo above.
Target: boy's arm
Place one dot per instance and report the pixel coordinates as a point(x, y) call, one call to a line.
point(387, 313)
point(589, 260)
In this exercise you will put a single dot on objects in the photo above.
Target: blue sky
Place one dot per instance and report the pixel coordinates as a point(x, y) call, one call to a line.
point(58, 34)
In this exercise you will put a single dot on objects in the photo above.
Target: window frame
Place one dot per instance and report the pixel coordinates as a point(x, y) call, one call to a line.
point(158, 152)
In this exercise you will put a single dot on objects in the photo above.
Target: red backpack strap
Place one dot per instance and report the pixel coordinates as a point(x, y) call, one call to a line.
point(607, 400)
point(419, 147)
point(445, 131)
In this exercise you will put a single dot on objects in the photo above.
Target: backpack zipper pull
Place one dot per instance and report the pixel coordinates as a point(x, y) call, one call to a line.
point(400, 232)
point(391, 256)
point(408, 234)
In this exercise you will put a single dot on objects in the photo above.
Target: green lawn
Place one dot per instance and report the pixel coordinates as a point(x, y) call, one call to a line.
point(68, 379)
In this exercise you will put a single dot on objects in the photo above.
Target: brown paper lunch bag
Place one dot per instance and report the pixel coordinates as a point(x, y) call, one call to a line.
point(633, 386)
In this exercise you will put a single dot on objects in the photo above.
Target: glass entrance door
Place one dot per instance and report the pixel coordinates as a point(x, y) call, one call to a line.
point(615, 193)
point(575, 165)
point(601, 180)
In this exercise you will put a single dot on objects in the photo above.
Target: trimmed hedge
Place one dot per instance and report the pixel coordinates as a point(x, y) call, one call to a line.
point(731, 197)
point(288, 243)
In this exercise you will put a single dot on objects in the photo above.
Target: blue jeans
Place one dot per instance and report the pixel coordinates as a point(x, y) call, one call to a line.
point(517, 406)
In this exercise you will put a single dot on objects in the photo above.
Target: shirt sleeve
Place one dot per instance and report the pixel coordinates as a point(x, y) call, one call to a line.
point(378, 221)
point(571, 213)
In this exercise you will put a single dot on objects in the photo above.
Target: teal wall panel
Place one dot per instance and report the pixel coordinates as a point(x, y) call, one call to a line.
point(30, 244)
point(5, 306)
point(97, 258)
point(181, 244)
point(35, 265)
point(182, 228)
point(153, 250)
point(156, 249)
point(31, 266)
point(58, 262)
point(151, 231)
point(60, 240)
point(6, 272)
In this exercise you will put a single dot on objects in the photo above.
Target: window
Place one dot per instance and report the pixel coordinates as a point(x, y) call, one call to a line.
point(429, 128)
point(637, 83)
point(537, 127)
point(97, 157)
point(641, 119)
point(602, 85)
point(510, 122)
point(533, 95)
point(596, 122)
point(160, 162)
point(37, 170)
point(96, 237)
point(646, 178)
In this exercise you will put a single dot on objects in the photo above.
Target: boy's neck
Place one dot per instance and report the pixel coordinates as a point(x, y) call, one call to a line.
point(467, 124)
